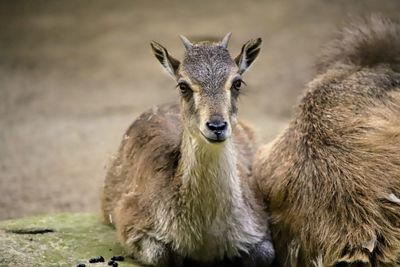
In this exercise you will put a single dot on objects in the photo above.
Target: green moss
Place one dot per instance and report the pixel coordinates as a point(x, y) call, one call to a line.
point(58, 240)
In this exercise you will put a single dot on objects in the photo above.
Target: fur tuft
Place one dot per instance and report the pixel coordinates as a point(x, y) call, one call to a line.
point(366, 42)
point(331, 180)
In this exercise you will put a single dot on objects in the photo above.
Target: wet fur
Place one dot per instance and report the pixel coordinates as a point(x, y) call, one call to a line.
point(331, 180)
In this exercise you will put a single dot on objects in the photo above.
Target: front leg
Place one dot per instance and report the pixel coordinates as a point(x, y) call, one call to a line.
point(260, 255)
point(133, 226)
point(152, 252)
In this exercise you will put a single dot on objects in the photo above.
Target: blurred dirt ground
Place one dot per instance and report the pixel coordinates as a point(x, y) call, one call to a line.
point(74, 74)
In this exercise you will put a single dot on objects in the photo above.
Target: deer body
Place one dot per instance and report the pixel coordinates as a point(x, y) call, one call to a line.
point(332, 179)
point(179, 185)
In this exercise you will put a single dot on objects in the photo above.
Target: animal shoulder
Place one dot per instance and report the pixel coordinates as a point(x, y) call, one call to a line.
point(341, 95)
point(245, 142)
point(160, 124)
point(154, 137)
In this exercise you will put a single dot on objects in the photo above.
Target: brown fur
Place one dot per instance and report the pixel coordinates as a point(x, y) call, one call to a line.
point(144, 176)
point(178, 188)
point(331, 181)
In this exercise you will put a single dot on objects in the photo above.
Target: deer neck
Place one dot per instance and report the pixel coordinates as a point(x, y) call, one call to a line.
point(209, 174)
point(210, 199)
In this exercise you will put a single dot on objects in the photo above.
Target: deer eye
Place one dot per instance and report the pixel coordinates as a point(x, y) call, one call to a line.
point(237, 84)
point(185, 89)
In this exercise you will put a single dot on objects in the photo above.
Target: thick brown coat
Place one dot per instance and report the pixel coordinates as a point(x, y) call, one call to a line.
point(178, 188)
point(331, 180)
point(144, 195)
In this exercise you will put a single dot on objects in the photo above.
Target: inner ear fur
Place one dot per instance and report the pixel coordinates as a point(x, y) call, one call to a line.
point(248, 54)
point(170, 64)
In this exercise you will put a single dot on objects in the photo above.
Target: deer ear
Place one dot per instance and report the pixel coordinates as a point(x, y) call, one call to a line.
point(248, 54)
point(169, 63)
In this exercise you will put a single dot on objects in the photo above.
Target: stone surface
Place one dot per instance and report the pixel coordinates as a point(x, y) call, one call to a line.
point(58, 240)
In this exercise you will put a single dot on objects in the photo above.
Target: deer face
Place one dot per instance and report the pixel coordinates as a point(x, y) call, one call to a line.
point(209, 81)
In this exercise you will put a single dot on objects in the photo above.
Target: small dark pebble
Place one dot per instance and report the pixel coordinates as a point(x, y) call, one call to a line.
point(117, 258)
point(97, 259)
point(113, 263)
point(81, 265)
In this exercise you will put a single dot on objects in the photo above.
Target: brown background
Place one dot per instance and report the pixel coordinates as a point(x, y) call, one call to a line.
point(74, 74)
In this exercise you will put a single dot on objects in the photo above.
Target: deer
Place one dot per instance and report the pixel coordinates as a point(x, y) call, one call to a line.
point(179, 188)
point(331, 180)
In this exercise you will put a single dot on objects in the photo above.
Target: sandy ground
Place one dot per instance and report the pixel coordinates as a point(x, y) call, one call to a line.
point(74, 74)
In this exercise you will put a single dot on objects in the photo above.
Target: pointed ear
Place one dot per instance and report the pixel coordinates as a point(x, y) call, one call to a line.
point(170, 64)
point(248, 54)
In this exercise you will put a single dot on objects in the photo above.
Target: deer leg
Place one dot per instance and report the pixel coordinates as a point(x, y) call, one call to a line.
point(148, 251)
point(133, 227)
point(260, 255)
point(155, 253)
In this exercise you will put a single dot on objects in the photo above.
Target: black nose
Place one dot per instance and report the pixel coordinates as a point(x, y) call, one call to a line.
point(217, 126)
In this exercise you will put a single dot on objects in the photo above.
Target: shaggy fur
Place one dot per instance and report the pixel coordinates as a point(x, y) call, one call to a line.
point(331, 180)
point(174, 196)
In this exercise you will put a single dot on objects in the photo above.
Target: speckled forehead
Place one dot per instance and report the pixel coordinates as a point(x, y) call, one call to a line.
point(208, 66)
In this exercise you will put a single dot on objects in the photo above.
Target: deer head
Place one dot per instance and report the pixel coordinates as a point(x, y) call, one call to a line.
point(209, 81)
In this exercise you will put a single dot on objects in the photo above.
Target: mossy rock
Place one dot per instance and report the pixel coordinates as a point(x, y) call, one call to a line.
point(58, 240)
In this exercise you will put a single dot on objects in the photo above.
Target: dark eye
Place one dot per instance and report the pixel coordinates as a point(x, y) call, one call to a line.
point(184, 87)
point(237, 84)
